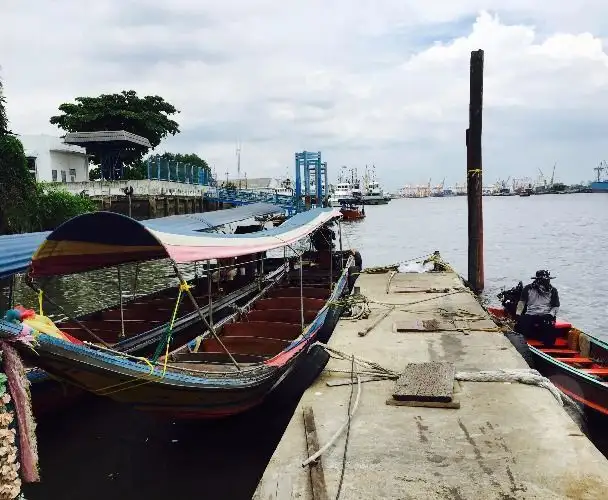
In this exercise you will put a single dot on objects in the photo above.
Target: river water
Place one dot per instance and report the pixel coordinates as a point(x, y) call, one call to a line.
point(100, 449)
point(567, 234)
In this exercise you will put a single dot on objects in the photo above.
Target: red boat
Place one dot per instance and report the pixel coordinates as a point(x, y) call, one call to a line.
point(352, 212)
point(577, 363)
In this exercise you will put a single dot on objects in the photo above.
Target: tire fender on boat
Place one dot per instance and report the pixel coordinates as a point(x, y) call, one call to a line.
point(353, 274)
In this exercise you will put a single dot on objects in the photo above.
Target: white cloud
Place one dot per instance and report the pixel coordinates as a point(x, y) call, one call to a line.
point(362, 80)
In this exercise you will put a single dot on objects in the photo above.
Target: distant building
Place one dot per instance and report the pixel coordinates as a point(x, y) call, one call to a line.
point(254, 183)
point(50, 160)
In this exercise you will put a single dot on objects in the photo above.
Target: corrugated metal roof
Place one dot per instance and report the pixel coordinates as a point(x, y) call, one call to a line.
point(106, 136)
point(16, 250)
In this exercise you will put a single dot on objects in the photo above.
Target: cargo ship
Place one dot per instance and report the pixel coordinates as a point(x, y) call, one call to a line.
point(600, 185)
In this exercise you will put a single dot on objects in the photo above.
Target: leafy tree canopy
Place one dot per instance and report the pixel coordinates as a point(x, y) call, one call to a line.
point(3, 117)
point(147, 116)
point(17, 188)
point(55, 206)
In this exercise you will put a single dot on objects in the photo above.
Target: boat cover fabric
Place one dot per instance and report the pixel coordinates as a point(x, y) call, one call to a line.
point(16, 250)
point(185, 224)
point(102, 239)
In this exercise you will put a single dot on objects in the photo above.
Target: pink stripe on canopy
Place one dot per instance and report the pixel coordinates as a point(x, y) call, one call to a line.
point(183, 249)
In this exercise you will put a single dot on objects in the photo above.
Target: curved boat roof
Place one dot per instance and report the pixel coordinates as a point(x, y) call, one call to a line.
point(16, 250)
point(102, 239)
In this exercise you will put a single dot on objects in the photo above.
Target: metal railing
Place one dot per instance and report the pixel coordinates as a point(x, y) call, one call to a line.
point(161, 169)
point(245, 196)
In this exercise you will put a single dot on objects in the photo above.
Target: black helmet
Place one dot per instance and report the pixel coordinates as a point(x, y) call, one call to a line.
point(543, 275)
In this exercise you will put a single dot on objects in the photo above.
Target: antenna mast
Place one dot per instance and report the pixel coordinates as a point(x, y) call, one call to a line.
point(238, 161)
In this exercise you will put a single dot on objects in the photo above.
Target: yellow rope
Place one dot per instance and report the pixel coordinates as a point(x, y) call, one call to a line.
point(183, 287)
point(40, 301)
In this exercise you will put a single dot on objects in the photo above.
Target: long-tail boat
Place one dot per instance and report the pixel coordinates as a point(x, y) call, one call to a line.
point(200, 368)
point(144, 316)
point(577, 363)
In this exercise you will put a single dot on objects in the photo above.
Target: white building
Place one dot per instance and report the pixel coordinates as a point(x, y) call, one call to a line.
point(50, 160)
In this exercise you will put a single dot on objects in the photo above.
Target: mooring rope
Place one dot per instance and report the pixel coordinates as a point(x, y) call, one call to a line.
point(394, 267)
point(524, 376)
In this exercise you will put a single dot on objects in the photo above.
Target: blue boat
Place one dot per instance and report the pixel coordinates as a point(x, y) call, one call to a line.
point(600, 185)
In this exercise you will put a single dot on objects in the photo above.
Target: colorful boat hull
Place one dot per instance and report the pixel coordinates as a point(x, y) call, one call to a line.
point(178, 394)
point(584, 382)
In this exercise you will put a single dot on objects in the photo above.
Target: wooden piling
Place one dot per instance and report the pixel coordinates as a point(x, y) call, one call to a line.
point(474, 173)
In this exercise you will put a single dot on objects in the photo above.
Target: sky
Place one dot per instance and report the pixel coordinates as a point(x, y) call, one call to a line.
point(380, 82)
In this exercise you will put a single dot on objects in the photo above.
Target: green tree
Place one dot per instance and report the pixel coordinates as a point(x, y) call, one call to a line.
point(55, 206)
point(17, 188)
point(26, 205)
point(147, 116)
point(3, 117)
point(137, 171)
point(94, 174)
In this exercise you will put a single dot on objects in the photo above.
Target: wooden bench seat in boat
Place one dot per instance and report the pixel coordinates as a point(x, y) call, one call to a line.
point(262, 329)
point(560, 352)
point(150, 313)
point(217, 357)
point(600, 372)
point(280, 315)
point(576, 360)
point(108, 330)
point(309, 292)
point(245, 345)
point(560, 342)
point(290, 303)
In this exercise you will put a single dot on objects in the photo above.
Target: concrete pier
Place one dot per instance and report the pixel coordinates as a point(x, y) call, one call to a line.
point(506, 441)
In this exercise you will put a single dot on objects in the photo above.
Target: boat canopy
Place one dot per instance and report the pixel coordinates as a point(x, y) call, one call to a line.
point(102, 239)
point(210, 220)
point(16, 250)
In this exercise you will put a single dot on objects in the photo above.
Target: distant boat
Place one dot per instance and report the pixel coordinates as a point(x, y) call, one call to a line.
point(373, 194)
point(600, 185)
point(342, 191)
point(352, 212)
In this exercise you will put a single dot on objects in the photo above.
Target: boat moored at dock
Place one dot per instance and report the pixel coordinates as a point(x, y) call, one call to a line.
point(199, 368)
point(577, 363)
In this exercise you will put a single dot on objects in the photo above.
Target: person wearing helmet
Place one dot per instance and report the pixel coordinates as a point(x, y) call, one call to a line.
point(537, 309)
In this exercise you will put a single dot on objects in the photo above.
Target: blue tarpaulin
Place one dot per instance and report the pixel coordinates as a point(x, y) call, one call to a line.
point(16, 250)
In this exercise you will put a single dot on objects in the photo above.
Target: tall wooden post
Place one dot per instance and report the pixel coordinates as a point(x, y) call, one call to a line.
point(474, 173)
